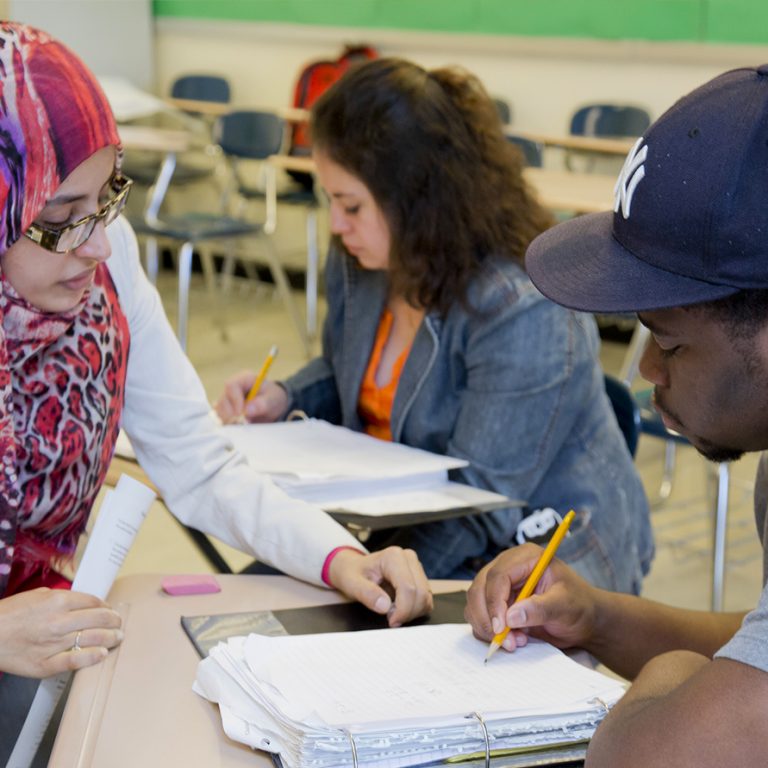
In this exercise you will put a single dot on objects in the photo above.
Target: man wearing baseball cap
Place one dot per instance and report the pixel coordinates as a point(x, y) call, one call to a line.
point(686, 247)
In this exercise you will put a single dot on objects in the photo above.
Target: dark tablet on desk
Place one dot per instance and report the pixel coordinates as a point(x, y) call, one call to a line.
point(206, 631)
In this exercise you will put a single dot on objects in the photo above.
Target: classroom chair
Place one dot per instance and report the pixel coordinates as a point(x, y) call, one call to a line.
point(190, 229)
point(199, 87)
point(212, 88)
point(626, 410)
point(504, 110)
point(652, 425)
point(240, 144)
point(532, 151)
point(612, 120)
point(608, 121)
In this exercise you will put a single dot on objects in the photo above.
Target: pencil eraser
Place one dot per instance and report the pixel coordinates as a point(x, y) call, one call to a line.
point(195, 584)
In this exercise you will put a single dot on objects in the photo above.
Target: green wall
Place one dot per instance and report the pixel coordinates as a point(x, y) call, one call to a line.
point(740, 21)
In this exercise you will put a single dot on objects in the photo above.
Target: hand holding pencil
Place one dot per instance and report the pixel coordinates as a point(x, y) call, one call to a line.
point(560, 610)
point(533, 579)
point(250, 397)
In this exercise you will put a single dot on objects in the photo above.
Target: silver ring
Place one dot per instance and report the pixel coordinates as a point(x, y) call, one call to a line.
point(76, 646)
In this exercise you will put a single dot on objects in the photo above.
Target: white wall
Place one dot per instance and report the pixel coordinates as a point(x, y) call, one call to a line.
point(113, 37)
point(543, 79)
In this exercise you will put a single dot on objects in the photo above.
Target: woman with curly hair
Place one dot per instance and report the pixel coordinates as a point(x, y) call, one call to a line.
point(436, 338)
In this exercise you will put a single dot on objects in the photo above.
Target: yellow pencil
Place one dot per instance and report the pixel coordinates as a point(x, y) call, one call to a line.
point(254, 390)
point(533, 579)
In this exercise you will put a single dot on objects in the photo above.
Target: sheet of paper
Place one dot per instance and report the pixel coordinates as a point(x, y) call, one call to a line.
point(418, 673)
point(444, 496)
point(313, 449)
point(122, 512)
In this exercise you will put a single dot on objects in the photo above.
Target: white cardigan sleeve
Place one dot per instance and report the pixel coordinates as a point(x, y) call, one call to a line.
point(204, 482)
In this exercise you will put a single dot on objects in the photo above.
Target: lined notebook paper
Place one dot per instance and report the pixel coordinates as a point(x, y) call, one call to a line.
point(343, 470)
point(406, 696)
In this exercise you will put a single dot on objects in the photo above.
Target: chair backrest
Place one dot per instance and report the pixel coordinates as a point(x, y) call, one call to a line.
point(609, 120)
point(626, 409)
point(504, 110)
point(250, 134)
point(201, 88)
point(533, 151)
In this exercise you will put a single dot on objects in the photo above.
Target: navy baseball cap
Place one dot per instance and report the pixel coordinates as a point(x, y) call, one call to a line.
point(690, 219)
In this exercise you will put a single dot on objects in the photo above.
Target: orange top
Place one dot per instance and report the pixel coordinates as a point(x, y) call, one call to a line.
point(374, 405)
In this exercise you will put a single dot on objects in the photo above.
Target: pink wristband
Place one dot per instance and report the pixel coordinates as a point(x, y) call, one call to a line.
point(324, 574)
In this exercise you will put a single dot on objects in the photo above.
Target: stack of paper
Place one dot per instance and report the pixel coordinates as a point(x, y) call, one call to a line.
point(338, 468)
point(404, 697)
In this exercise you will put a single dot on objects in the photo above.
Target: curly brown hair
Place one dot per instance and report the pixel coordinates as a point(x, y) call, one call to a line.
point(430, 148)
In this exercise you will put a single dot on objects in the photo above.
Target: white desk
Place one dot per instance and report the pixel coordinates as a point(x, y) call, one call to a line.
point(601, 144)
point(217, 109)
point(573, 192)
point(557, 190)
point(152, 139)
point(138, 709)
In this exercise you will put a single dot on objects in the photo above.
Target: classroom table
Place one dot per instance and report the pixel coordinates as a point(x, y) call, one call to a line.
point(572, 192)
point(137, 708)
point(359, 524)
point(151, 139)
point(217, 109)
point(169, 143)
point(558, 190)
point(601, 144)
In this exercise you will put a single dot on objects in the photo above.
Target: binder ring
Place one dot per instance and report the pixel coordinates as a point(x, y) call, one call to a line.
point(353, 747)
point(477, 716)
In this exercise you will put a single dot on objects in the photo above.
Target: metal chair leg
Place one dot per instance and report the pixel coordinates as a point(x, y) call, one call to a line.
point(313, 269)
point(670, 451)
point(185, 275)
point(281, 281)
point(152, 265)
point(720, 532)
point(634, 352)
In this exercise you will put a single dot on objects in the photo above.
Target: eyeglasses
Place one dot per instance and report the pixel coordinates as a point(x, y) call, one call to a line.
point(72, 236)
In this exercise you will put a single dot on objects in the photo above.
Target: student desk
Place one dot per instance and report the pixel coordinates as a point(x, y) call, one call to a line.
point(355, 522)
point(169, 143)
point(217, 109)
point(570, 191)
point(601, 144)
point(137, 708)
point(149, 138)
point(558, 190)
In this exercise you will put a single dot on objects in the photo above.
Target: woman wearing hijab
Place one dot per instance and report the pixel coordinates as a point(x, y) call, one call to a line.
point(85, 348)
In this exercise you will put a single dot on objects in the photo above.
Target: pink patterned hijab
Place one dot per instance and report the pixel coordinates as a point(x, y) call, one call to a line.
point(62, 376)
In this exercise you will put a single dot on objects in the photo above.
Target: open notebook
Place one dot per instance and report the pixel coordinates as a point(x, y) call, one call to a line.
point(354, 475)
point(398, 698)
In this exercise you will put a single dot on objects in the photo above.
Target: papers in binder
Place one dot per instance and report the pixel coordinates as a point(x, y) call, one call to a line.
point(398, 698)
point(338, 468)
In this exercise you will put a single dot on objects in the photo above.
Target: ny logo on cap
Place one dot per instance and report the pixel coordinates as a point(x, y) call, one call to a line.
point(631, 175)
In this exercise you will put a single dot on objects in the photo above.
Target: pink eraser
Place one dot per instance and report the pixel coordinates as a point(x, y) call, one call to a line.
point(195, 584)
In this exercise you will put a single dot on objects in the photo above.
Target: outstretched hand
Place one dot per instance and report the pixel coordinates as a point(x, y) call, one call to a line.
point(560, 611)
point(364, 577)
point(47, 631)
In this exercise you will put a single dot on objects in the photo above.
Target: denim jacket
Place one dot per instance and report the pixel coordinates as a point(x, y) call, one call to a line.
point(513, 385)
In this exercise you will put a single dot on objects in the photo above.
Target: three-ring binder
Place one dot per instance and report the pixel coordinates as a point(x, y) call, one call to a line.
point(471, 716)
point(352, 746)
point(486, 738)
